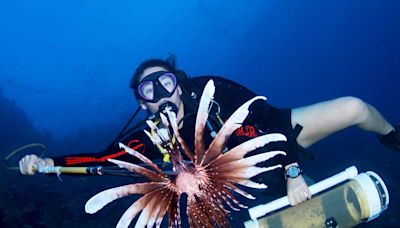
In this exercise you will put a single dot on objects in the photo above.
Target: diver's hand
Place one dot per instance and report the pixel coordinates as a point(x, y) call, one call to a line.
point(27, 164)
point(297, 190)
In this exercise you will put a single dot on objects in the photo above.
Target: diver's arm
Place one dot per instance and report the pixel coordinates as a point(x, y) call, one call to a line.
point(297, 188)
point(137, 141)
point(99, 158)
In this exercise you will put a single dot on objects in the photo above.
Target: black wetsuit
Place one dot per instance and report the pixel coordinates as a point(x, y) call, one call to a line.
point(262, 119)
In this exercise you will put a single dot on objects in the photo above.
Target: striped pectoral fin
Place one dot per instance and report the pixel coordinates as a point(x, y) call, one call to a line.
point(150, 211)
point(199, 147)
point(231, 200)
point(249, 172)
point(241, 150)
point(141, 157)
point(248, 183)
point(214, 209)
point(140, 170)
point(247, 162)
point(246, 172)
point(164, 120)
point(173, 211)
point(103, 198)
point(196, 214)
point(201, 118)
point(134, 209)
point(205, 100)
point(174, 125)
point(162, 209)
point(234, 188)
point(233, 123)
point(230, 203)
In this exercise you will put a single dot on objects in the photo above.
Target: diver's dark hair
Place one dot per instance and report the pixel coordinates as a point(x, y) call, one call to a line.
point(169, 64)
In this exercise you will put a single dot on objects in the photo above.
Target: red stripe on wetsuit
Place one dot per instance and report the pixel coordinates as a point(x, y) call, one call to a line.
point(79, 160)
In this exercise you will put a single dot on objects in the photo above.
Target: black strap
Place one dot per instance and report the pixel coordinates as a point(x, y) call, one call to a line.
point(296, 131)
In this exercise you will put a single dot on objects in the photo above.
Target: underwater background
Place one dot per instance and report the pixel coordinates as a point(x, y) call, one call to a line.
point(65, 67)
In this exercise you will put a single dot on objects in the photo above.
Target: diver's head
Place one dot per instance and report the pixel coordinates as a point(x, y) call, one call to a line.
point(155, 83)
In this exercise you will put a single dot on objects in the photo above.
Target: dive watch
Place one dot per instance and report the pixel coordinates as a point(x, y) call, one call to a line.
point(293, 172)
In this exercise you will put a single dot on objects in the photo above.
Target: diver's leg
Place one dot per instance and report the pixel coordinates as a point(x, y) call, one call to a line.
point(322, 119)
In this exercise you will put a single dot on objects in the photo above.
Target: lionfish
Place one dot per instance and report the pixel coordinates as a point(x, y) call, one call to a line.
point(209, 178)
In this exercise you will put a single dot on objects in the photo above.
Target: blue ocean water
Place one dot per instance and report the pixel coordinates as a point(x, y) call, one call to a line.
point(65, 68)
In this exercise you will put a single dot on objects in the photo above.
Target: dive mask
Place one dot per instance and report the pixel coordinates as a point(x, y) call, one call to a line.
point(158, 85)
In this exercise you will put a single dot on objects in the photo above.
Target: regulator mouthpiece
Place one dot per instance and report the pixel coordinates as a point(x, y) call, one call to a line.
point(168, 106)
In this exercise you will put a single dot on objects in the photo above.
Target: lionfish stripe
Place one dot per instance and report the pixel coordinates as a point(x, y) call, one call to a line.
point(229, 203)
point(247, 162)
point(164, 120)
point(234, 122)
point(213, 208)
point(173, 120)
point(258, 142)
point(229, 197)
point(197, 215)
point(233, 187)
point(178, 215)
point(249, 183)
point(134, 209)
point(149, 212)
point(103, 198)
point(154, 215)
point(202, 115)
point(174, 124)
point(141, 157)
point(248, 172)
point(173, 210)
point(241, 150)
point(163, 207)
point(140, 170)
point(219, 214)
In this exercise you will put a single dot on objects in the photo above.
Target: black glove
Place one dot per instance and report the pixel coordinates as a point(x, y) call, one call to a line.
point(392, 139)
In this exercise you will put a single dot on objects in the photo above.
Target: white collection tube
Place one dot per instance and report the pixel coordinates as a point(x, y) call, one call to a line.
point(263, 209)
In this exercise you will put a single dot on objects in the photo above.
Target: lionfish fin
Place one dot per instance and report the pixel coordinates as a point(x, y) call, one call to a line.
point(241, 150)
point(249, 183)
point(174, 125)
point(134, 209)
point(140, 170)
point(233, 166)
point(233, 123)
point(247, 172)
point(154, 138)
point(149, 212)
point(233, 187)
point(141, 157)
point(202, 115)
point(160, 210)
point(103, 198)
point(164, 120)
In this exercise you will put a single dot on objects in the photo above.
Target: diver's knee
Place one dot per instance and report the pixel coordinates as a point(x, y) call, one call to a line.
point(355, 108)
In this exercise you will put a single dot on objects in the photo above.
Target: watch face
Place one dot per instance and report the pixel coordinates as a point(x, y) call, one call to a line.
point(293, 172)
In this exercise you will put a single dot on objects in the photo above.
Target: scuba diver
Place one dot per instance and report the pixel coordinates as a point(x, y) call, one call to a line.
point(158, 85)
